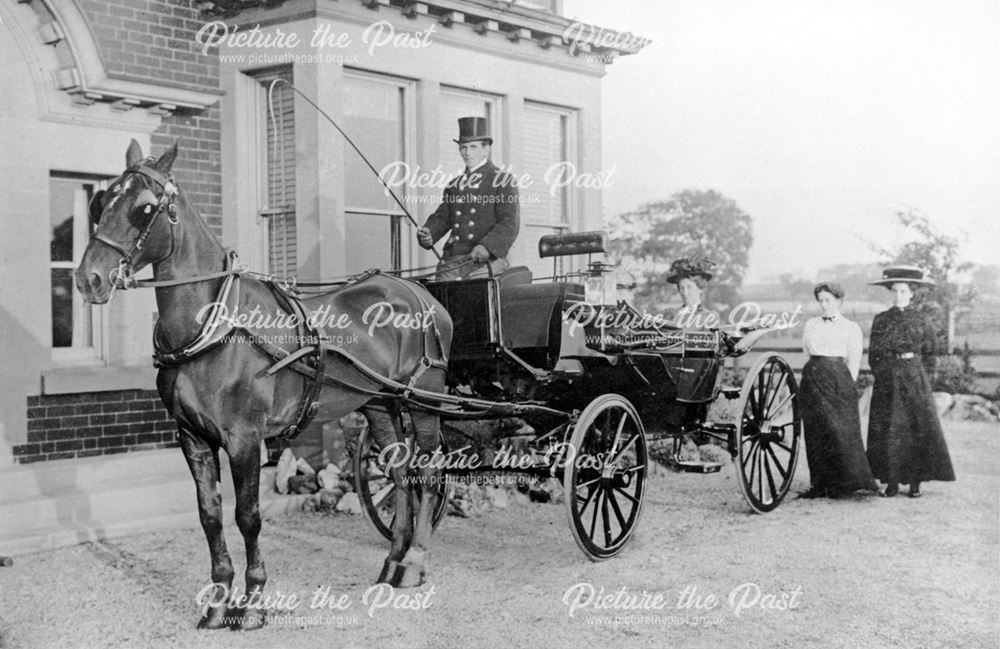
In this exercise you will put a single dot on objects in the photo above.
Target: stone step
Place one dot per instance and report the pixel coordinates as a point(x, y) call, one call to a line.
point(25, 482)
point(65, 502)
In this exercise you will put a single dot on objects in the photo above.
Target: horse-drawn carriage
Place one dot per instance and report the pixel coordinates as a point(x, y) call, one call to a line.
point(595, 380)
point(242, 359)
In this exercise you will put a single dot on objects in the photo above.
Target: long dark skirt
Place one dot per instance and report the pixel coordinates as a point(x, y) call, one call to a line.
point(829, 407)
point(905, 441)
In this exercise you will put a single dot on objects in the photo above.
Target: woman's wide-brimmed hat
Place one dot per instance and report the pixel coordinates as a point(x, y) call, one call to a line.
point(688, 268)
point(906, 274)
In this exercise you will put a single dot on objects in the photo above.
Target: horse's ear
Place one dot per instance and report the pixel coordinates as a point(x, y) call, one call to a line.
point(166, 160)
point(134, 153)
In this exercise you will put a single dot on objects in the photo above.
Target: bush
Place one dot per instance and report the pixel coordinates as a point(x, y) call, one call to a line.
point(954, 373)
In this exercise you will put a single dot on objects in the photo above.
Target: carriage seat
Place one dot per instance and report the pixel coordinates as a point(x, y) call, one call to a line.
point(531, 317)
point(515, 276)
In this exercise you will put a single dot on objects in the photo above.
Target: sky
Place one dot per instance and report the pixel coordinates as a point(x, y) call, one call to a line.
point(818, 117)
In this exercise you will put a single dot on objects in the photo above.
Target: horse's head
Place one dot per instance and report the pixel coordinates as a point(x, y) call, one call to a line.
point(135, 219)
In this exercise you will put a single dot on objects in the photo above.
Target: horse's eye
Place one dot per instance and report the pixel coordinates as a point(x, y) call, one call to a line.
point(97, 207)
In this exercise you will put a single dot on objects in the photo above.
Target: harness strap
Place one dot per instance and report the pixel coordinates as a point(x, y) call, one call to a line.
point(314, 355)
point(213, 331)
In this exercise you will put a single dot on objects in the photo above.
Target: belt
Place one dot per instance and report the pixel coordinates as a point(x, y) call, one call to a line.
point(837, 358)
point(906, 356)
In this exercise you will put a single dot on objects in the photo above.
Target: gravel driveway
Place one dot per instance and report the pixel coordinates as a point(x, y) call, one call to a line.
point(701, 572)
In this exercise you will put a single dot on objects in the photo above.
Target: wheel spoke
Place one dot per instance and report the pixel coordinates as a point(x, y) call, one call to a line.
point(752, 458)
point(617, 510)
point(773, 390)
point(634, 500)
point(749, 453)
point(380, 496)
point(618, 434)
point(751, 404)
point(606, 520)
point(783, 446)
point(588, 483)
point(586, 501)
point(784, 402)
point(597, 507)
point(770, 476)
point(618, 456)
point(781, 469)
point(760, 473)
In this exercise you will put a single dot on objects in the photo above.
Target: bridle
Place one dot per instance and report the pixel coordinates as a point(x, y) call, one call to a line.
point(121, 277)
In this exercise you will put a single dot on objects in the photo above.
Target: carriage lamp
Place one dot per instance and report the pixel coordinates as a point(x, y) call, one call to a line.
point(600, 285)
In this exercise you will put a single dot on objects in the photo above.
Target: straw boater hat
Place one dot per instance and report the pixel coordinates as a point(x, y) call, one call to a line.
point(472, 129)
point(902, 274)
point(689, 267)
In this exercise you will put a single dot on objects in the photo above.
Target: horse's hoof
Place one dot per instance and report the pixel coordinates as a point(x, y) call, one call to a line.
point(249, 621)
point(392, 573)
point(214, 619)
point(413, 576)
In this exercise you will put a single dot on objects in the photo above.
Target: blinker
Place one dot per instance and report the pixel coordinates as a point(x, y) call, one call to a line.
point(97, 206)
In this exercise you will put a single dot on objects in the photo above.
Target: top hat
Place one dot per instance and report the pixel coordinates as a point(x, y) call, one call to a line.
point(902, 274)
point(472, 129)
point(687, 268)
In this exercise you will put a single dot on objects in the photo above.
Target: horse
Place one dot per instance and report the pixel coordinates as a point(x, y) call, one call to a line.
point(236, 369)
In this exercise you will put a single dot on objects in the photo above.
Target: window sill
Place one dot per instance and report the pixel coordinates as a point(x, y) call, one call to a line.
point(70, 380)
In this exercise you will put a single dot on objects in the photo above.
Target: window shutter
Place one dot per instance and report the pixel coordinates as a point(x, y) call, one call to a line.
point(542, 212)
point(280, 210)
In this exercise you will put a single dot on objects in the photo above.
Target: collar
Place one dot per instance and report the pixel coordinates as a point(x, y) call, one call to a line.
point(830, 318)
point(478, 166)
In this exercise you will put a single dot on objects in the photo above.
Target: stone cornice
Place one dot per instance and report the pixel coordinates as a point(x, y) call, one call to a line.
point(64, 26)
point(517, 22)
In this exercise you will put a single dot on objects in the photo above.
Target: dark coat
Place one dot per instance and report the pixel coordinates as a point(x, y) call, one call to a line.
point(478, 208)
point(905, 440)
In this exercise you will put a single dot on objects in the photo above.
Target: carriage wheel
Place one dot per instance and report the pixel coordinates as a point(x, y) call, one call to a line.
point(376, 490)
point(768, 433)
point(605, 476)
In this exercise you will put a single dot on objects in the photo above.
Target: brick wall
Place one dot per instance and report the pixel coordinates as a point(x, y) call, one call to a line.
point(198, 167)
point(95, 423)
point(154, 41)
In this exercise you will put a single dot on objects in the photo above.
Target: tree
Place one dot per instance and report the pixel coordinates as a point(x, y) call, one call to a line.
point(690, 222)
point(938, 255)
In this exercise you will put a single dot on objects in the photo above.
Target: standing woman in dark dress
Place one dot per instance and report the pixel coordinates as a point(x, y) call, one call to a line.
point(829, 400)
point(905, 441)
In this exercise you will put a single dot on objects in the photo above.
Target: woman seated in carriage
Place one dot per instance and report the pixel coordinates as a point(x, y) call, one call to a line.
point(691, 275)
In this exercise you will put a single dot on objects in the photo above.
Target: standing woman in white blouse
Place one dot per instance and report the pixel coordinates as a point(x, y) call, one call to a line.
point(829, 400)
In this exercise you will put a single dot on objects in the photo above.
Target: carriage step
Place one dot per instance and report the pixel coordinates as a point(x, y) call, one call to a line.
point(692, 466)
point(730, 393)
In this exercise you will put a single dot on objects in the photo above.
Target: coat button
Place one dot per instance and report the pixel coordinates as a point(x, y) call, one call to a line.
point(455, 226)
point(471, 223)
point(472, 211)
point(470, 236)
point(458, 212)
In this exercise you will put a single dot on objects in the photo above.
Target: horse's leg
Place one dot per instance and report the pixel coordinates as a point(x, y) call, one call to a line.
point(245, 464)
point(203, 461)
point(427, 440)
point(386, 430)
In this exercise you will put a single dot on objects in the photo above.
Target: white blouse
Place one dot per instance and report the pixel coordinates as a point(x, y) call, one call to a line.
point(837, 337)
